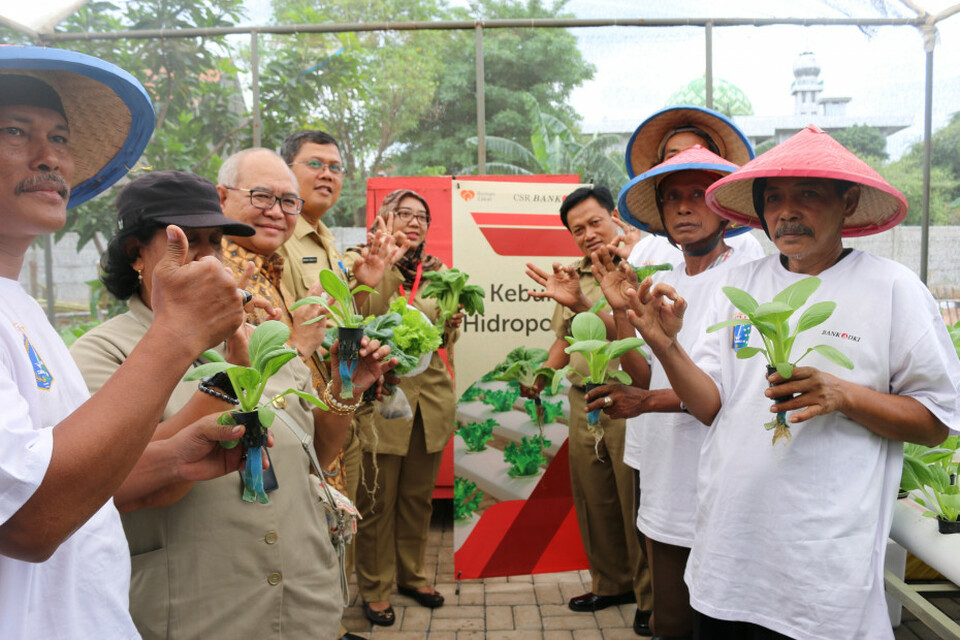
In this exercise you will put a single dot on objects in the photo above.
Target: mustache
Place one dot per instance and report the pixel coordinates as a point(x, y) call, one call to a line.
point(794, 229)
point(43, 178)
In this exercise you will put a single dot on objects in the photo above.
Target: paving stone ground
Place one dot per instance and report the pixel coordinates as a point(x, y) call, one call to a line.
point(522, 607)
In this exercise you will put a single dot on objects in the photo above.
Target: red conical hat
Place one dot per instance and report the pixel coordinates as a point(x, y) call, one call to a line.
point(811, 153)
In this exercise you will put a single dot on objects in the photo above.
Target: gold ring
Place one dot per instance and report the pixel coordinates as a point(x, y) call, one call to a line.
point(608, 401)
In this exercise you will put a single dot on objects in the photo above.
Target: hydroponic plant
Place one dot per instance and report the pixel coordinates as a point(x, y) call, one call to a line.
point(337, 298)
point(268, 353)
point(466, 498)
point(933, 472)
point(772, 322)
point(520, 366)
point(500, 400)
point(544, 412)
point(476, 434)
point(451, 290)
point(408, 333)
point(526, 458)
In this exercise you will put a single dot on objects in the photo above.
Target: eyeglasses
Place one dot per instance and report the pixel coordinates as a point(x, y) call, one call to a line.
point(316, 165)
point(404, 215)
point(290, 205)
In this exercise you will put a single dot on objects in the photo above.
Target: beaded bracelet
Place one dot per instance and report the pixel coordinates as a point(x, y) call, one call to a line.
point(216, 393)
point(337, 407)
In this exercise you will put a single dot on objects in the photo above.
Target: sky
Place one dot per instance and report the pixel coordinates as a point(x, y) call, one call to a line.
point(637, 69)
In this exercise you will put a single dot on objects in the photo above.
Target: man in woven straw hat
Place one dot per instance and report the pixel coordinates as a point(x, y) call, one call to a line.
point(790, 539)
point(665, 134)
point(662, 443)
point(70, 126)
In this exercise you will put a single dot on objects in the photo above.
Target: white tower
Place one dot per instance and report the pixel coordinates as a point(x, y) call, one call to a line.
point(807, 85)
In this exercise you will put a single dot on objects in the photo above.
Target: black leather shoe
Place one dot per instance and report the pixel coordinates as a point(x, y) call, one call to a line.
point(383, 618)
point(351, 636)
point(593, 602)
point(429, 600)
point(641, 623)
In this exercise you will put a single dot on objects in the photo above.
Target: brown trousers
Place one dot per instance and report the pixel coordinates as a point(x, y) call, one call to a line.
point(603, 495)
point(672, 615)
point(392, 536)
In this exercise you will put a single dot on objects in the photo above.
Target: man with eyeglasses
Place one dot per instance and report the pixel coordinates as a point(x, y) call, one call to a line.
point(314, 158)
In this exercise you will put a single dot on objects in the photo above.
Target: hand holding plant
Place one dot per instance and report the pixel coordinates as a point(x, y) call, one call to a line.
point(772, 322)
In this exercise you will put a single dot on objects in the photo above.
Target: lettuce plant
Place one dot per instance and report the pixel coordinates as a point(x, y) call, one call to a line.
point(451, 290)
point(268, 353)
point(520, 367)
point(472, 393)
point(544, 412)
point(476, 434)
point(466, 498)
point(772, 322)
point(500, 399)
point(526, 458)
point(408, 333)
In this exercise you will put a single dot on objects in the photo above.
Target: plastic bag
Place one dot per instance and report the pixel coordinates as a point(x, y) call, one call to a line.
point(396, 406)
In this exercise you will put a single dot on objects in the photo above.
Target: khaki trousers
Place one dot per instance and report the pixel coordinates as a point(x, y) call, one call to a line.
point(603, 495)
point(392, 536)
point(351, 468)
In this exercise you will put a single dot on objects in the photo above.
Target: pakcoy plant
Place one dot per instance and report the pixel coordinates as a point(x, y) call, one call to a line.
point(476, 434)
point(268, 353)
point(521, 366)
point(932, 473)
point(526, 458)
point(451, 290)
point(590, 339)
point(772, 322)
point(337, 299)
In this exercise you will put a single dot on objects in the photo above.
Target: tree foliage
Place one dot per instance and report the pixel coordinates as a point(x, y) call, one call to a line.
point(543, 63)
point(863, 140)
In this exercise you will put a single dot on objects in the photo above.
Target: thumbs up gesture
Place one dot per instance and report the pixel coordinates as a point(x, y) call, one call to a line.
point(198, 301)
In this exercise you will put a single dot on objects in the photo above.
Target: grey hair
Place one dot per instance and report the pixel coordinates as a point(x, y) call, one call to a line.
point(229, 173)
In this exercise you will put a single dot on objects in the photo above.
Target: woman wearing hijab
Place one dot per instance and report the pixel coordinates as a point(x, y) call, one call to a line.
point(401, 456)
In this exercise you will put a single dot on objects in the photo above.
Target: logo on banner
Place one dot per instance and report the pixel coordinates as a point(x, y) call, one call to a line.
point(467, 195)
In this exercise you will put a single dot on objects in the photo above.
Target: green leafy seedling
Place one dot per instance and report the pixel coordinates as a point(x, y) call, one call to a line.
point(476, 434)
point(472, 393)
point(526, 458)
point(466, 498)
point(933, 472)
point(772, 322)
point(337, 299)
point(451, 290)
point(268, 353)
point(500, 399)
point(520, 367)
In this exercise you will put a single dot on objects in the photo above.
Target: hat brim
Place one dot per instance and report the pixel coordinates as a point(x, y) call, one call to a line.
point(637, 202)
point(109, 113)
point(643, 147)
point(209, 221)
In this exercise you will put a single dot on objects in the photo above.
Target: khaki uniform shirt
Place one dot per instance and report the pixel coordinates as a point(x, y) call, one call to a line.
point(308, 251)
point(433, 390)
point(563, 316)
point(211, 565)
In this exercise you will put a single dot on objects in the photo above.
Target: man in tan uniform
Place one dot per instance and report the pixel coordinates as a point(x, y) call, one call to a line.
point(603, 485)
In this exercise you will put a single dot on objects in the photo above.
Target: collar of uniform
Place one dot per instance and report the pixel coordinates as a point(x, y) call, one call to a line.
point(320, 232)
point(140, 311)
point(583, 266)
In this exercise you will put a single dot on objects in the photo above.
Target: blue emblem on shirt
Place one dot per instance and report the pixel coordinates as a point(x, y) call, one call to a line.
point(40, 372)
point(739, 334)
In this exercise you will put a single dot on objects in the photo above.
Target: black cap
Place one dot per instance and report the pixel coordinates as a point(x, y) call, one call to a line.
point(175, 197)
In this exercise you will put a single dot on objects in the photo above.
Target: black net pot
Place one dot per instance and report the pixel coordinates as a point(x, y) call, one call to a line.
point(255, 434)
point(349, 342)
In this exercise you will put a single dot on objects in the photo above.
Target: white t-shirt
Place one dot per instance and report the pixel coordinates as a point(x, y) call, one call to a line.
point(82, 590)
point(665, 447)
point(793, 537)
point(658, 250)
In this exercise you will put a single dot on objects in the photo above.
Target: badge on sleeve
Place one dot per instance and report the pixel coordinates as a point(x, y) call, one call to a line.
point(40, 372)
point(739, 334)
